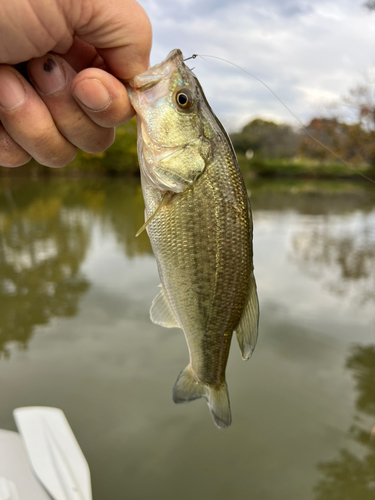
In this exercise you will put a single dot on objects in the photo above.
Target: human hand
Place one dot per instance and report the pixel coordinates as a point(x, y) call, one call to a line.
point(72, 99)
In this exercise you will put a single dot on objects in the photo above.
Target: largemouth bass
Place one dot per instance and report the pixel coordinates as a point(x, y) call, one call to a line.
point(199, 222)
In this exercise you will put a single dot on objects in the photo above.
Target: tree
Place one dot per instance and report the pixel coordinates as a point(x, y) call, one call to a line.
point(267, 139)
point(119, 158)
point(352, 143)
point(370, 4)
point(361, 100)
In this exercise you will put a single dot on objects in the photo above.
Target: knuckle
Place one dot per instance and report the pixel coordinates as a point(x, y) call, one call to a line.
point(100, 143)
point(11, 154)
point(15, 161)
point(41, 134)
point(86, 134)
point(58, 158)
point(49, 148)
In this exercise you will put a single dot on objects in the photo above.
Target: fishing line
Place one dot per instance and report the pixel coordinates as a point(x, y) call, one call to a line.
point(202, 56)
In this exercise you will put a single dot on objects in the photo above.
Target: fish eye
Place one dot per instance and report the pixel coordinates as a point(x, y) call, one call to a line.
point(184, 99)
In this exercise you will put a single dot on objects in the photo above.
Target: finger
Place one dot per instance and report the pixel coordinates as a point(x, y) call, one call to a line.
point(81, 55)
point(121, 33)
point(28, 121)
point(32, 28)
point(52, 77)
point(103, 97)
point(11, 154)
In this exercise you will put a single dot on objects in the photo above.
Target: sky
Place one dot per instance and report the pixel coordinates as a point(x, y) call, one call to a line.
point(310, 53)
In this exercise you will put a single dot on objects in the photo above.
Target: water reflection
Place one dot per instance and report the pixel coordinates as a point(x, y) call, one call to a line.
point(111, 369)
point(45, 231)
point(312, 198)
point(352, 475)
point(42, 245)
point(119, 205)
point(340, 253)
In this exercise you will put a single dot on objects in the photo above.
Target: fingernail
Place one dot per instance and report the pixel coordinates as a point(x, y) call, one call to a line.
point(47, 74)
point(92, 94)
point(12, 90)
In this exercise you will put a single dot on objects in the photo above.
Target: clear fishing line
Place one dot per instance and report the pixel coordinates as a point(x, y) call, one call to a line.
point(202, 56)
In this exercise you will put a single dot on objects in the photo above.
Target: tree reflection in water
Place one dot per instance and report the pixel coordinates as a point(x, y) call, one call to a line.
point(45, 231)
point(42, 245)
point(341, 254)
point(352, 477)
point(120, 208)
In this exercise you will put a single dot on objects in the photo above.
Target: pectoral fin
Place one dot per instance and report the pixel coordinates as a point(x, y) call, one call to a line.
point(247, 328)
point(161, 312)
point(166, 198)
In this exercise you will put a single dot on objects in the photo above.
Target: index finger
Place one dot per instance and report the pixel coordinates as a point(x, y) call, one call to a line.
point(120, 31)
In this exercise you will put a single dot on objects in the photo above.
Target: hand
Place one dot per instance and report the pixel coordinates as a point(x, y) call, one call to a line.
point(73, 100)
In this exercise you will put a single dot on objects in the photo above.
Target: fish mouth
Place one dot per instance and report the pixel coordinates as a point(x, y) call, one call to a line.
point(161, 71)
point(153, 84)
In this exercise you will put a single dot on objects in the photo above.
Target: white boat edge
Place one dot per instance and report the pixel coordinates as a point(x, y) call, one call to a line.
point(44, 461)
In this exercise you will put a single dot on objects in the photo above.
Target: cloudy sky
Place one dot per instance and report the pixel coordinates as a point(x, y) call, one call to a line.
point(309, 52)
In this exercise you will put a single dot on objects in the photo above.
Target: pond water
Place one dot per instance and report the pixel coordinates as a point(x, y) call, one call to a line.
point(75, 292)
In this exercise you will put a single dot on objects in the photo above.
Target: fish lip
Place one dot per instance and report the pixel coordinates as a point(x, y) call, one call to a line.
point(141, 84)
point(161, 71)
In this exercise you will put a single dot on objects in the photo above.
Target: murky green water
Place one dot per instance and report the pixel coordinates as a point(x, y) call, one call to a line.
point(76, 287)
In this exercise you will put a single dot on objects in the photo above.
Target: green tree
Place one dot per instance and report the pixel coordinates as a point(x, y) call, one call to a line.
point(267, 139)
point(120, 158)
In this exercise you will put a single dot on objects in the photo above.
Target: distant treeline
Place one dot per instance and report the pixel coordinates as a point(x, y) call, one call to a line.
point(264, 148)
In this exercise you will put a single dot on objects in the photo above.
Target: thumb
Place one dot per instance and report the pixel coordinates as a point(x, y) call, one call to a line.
point(120, 31)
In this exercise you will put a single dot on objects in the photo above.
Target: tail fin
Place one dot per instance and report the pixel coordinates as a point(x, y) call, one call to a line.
point(187, 389)
point(218, 403)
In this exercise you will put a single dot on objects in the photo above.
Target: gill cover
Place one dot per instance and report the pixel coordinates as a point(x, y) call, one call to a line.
point(172, 148)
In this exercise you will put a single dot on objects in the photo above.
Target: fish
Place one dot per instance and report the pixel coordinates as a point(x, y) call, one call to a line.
point(199, 221)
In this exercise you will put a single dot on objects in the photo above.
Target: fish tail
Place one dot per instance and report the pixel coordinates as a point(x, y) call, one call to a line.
point(187, 388)
point(218, 403)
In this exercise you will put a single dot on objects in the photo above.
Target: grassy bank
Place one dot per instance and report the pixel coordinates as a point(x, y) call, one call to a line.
point(302, 168)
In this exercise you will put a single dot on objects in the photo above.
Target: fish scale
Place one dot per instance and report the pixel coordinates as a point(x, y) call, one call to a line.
point(202, 235)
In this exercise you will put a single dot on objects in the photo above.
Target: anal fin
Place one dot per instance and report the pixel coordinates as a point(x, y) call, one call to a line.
point(161, 312)
point(247, 328)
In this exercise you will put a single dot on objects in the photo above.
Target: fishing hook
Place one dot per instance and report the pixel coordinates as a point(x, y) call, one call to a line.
point(191, 57)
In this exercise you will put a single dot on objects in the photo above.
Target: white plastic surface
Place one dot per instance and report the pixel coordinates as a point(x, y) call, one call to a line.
point(54, 453)
point(15, 468)
point(8, 490)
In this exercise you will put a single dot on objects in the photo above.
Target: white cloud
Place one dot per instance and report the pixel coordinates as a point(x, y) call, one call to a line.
point(309, 53)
